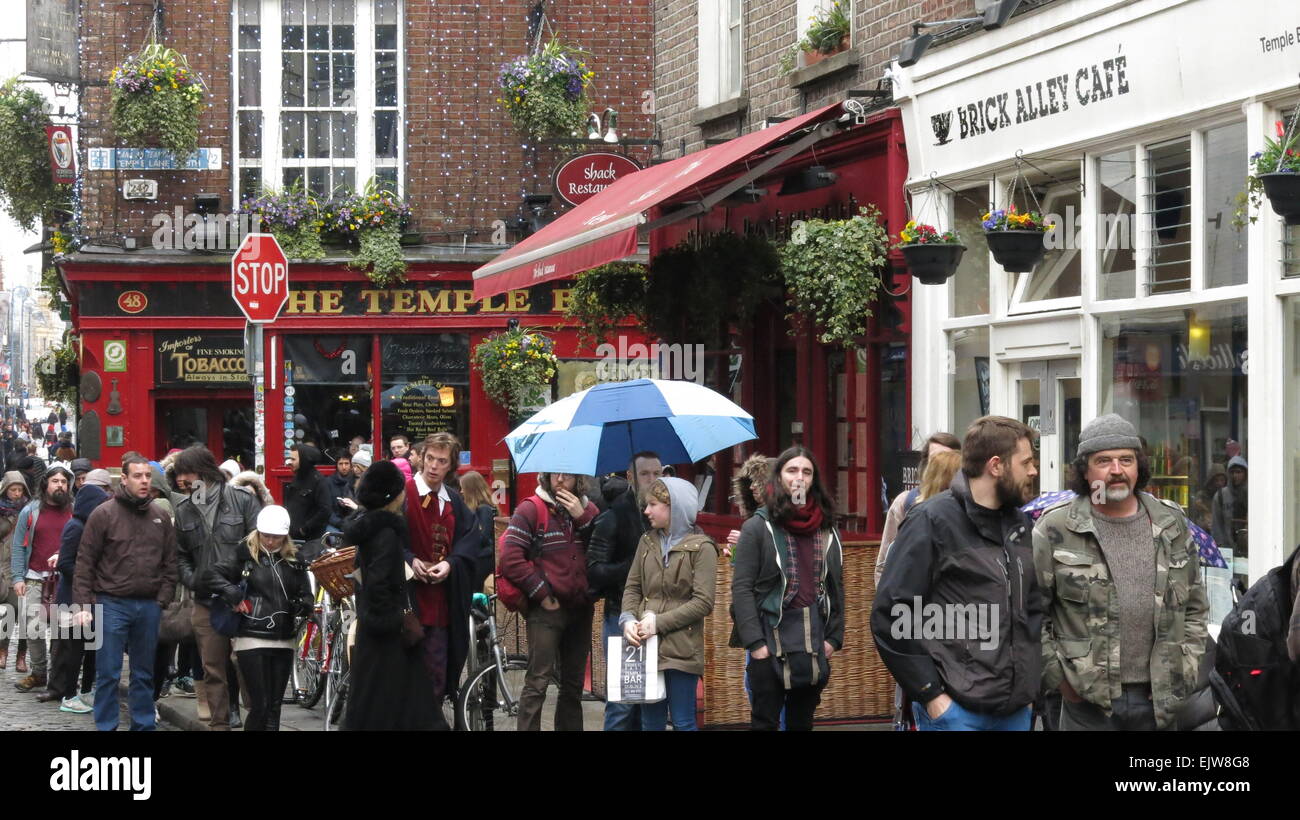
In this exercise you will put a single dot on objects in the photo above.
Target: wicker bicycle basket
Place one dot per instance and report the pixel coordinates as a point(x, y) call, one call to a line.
point(330, 568)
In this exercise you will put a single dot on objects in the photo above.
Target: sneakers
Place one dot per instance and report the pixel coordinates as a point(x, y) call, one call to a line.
point(184, 687)
point(76, 705)
point(165, 690)
point(30, 682)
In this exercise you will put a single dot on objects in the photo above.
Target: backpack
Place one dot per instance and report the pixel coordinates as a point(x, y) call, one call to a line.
point(508, 594)
point(1254, 680)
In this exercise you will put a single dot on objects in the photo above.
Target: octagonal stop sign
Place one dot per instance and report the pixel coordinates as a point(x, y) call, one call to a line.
point(259, 277)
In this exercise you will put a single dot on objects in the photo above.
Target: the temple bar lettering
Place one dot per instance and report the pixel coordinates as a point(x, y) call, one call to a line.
point(416, 302)
point(1047, 97)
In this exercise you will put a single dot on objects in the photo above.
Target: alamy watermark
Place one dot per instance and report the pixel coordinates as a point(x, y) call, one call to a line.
point(945, 622)
point(181, 231)
point(624, 362)
point(59, 621)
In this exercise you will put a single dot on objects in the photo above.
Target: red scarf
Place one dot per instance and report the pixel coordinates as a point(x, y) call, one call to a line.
point(805, 520)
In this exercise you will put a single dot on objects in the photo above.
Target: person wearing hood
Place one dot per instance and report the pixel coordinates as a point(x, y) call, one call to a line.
point(13, 498)
point(1229, 510)
point(307, 497)
point(669, 593)
point(35, 553)
point(231, 468)
point(340, 487)
point(126, 565)
point(1202, 513)
point(555, 583)
point(32, 468)
point(72, 655)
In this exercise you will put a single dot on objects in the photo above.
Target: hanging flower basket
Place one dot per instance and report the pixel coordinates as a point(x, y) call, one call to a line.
point(932, 257)
point(1274, 173)
point(1016, 238)
point(517, 367)
point(374, 219)
point(1283, 192)
point(545, 94)
point(156, 96)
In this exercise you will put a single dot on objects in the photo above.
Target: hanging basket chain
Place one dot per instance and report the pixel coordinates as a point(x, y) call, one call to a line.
point(1286, 141)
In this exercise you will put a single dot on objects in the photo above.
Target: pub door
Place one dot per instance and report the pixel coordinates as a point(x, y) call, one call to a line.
point(222, 423)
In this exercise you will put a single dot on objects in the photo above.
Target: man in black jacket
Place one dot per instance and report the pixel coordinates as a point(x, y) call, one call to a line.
point(307, 497)
point(211, 523)
point(614, 539)
point(958, 614)
point(340, 487)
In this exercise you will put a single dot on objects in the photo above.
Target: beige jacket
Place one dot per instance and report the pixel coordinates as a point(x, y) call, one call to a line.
point(680, 595)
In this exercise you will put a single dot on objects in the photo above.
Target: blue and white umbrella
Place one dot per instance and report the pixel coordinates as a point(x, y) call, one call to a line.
point(598, 430)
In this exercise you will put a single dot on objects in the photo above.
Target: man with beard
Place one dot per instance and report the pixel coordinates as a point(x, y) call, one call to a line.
point(958, 611)
point(614, 539)
point(1125, 627)
point(35, 553)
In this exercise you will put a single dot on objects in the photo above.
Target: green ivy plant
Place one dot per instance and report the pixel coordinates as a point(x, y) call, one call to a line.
point(374, 219)
point(157, 96)
point(832, 273)
point(604, 296)
point(52, 285)
point(61, 385)
point(27, 193)
point(517, 367)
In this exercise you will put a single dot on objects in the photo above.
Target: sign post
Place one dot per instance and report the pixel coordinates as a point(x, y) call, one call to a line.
point(259, 284)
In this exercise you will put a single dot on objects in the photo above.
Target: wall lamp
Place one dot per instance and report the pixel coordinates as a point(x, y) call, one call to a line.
point(994, 17)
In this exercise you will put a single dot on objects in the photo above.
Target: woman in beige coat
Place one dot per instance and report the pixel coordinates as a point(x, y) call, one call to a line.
point(669, 592)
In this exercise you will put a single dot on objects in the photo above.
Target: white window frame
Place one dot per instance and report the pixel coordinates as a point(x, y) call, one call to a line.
point(271, 162)
point(717, 59)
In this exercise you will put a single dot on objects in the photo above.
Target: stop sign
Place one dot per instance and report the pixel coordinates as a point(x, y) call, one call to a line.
point(259, 277)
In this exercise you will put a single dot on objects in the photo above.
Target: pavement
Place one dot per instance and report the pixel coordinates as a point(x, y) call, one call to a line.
point(21, 713)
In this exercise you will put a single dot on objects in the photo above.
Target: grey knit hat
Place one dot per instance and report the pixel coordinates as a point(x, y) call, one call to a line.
point(1108, 432)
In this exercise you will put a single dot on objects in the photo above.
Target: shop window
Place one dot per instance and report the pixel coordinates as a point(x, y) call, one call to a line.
point(968, 372)
point(1115, 222)
point(331, 398)
point(1167, 209)
point(1291, 250)
point(1057, 276)
point(1181, 378)
point(1225, 246)
point(894, 428)
point(1291, 443)
point(333, 68)
point(721, 51)
point(426, 386)
point(970, 285)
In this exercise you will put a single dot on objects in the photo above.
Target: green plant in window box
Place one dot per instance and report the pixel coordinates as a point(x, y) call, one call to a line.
point(829, 30)
point(157, 96)
point(603, 297)
point(545, 94)
point(293, 216)
point(375, 219)
point(517, 367)
point(1275, 173)
point(27, 192)
point(832, 271)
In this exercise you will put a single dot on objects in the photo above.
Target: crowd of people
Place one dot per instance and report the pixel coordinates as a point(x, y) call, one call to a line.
point(1093, 618)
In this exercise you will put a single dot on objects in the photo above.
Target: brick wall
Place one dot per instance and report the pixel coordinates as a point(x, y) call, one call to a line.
point(465, 164)
point(769, 26)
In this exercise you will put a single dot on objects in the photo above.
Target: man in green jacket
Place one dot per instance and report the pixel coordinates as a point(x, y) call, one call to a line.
point(1126, 610)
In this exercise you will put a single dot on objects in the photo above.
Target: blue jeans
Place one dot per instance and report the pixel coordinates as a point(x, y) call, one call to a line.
point(619, 717)
point(130, 626)
point(680, 702)
point(958, 719)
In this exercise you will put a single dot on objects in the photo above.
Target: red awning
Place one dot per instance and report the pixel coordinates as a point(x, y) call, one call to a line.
point(604, 228)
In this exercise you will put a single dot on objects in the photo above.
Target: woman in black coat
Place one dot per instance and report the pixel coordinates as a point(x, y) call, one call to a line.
point(390, 686)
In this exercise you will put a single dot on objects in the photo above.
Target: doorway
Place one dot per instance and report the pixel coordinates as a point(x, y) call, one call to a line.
point(1049, 398)
point(224, 426)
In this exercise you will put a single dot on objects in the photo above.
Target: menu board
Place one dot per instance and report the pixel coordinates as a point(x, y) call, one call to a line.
point(202, 359)
point(419, 408)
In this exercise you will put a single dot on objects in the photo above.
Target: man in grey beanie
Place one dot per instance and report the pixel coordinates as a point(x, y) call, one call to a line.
point(1118, 568)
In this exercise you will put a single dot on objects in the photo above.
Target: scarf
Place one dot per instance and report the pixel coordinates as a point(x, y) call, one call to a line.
point(792, 568)
point(10, 508)
point(804, 520)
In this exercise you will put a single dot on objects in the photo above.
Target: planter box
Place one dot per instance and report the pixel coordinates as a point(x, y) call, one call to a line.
point(1283, 190)
point(1017, 251)
point(934, 263)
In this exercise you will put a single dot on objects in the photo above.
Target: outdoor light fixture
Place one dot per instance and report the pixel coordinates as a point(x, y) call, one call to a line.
point(537, 204)
point(611, 120)
point(447, 396)
point(593, 126)
point(994, 17)
point(808, 179)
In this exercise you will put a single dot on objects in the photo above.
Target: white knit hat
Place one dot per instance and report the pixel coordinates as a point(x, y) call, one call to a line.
point(362, 457)
point(273, 520)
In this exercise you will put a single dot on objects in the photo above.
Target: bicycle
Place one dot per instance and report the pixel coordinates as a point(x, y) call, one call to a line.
point(488, 701)
point(337, 666)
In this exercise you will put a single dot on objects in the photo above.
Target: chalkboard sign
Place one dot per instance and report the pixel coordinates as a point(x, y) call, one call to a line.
point(421, 407)
point(440, 357)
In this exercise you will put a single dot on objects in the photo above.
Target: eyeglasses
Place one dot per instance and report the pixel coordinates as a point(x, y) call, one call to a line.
point(1124, 461)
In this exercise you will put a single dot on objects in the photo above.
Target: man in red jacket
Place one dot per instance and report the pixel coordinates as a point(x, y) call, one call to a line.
point(560, 610)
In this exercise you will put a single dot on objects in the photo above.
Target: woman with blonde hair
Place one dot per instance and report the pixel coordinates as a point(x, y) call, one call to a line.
point(268, 586)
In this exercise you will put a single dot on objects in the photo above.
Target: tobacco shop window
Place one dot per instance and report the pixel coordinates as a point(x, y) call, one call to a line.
point(327, 391)
point(1181, 378)
point(426, 386)
point(319, 94)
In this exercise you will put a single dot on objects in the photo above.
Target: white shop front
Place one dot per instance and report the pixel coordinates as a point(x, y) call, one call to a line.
point(1132, 123)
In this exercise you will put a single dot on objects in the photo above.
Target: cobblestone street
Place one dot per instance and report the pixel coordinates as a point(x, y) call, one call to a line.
point(19, 711)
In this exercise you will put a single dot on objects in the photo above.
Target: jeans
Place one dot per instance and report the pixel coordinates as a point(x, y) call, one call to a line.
point(959, 719)
point(130, 626)
point(680, 703)
point(771, 699)
point(265, 673)
point(619, 717)
point(558, 641)
point(1132, 711)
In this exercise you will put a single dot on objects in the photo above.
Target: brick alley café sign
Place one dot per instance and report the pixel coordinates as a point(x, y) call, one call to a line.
point(343, 299)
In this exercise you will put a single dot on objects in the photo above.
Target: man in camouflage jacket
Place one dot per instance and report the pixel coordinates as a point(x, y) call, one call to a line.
point(1125, 622)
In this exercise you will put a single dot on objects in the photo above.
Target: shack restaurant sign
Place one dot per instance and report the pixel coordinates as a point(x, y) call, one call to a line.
point(582, 177)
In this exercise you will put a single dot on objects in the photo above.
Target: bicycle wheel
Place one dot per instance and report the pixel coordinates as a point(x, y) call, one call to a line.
point(336, 679)
point(308, 661)
point(489, 702)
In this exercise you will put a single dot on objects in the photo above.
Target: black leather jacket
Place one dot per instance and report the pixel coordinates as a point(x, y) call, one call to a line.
point(197, 549)
point(277, 589)
point(614, 539)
